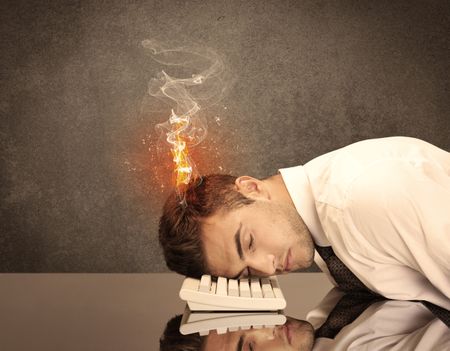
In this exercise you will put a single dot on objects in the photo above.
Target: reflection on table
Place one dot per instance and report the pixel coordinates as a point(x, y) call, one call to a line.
point(109, 312)
point(368, 324)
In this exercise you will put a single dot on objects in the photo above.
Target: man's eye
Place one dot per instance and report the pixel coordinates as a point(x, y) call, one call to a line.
point(251, 243)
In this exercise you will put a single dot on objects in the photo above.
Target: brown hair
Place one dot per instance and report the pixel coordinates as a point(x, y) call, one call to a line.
point(180, 224)
point(173, 340)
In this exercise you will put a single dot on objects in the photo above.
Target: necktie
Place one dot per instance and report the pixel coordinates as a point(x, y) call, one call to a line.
point(360, 294)
point(349, 307)
point(344, 277)
point(352, 304)
point(438, 311)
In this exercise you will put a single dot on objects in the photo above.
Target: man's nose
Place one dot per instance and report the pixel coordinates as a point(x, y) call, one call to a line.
point(263, 266)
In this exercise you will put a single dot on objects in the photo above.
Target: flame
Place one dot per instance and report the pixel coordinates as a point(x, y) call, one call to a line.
point(180, 152)
point(185, 128)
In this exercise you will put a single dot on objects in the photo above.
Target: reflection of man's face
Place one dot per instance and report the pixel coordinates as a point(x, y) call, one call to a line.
point(294, 335)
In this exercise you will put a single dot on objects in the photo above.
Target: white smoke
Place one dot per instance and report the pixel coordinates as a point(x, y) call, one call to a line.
point(193, 78)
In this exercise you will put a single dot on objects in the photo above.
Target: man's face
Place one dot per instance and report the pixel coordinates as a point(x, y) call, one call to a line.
point(260, 239)
point(294, 335)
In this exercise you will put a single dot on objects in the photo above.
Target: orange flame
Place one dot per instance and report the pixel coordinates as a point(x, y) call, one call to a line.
point(183, 165)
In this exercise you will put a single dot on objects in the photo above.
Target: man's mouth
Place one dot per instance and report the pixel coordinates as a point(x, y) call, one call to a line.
point(288, 262)
point(288, 332)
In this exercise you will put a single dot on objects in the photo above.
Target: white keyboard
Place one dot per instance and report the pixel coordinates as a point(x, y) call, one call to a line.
point(224, 322)
point(254, 294)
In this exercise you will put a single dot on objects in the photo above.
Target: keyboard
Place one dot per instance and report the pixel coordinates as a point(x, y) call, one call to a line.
point(224, 322)
point(246, 294)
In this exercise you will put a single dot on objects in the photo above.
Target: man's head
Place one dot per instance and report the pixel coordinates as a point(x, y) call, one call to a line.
point(293, 335)
point(173, 340)
point(234, 226)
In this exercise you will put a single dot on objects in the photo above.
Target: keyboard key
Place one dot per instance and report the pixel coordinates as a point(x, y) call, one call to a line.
point(222, 287)
point(255, 288)
point(276, 288)
point(244, 288)
point(267, 288)
point(190, 284)
point(213, 288)
point(233, 288)
point(222, 330)
point(205, 283)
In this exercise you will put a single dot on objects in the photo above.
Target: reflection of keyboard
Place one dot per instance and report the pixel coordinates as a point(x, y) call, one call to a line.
point(223, 322)
point(255, 294)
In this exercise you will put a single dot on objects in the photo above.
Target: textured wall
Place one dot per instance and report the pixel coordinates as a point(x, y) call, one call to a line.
point(81, 192)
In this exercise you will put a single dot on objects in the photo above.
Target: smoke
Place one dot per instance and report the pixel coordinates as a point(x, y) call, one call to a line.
point(193, 78)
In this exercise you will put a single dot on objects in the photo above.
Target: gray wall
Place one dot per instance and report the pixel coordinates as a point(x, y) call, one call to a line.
point(81, 192)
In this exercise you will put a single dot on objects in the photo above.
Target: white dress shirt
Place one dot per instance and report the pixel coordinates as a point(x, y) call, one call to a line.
point(384, 207)
point(385, 325)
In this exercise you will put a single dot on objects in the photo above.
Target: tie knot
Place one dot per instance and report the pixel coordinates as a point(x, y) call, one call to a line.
point(325, 252)
point(344, 277)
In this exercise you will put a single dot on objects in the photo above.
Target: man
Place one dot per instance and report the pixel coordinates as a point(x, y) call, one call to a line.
point(382, 206)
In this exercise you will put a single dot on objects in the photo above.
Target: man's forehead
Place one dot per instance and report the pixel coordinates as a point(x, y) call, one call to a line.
point(220, 246)
point(219, 226)
point(220, 216)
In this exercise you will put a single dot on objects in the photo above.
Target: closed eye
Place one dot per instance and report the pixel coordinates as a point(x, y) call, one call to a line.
point(251, 243)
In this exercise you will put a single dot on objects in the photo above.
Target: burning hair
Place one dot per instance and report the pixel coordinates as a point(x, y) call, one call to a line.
point(180, 226)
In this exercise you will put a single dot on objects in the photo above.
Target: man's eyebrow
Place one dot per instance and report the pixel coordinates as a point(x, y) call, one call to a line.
point(237, 240)
point(240, 343)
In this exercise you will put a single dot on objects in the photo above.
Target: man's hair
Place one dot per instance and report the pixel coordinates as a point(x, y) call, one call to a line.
point(173, 340)
point(180, 224)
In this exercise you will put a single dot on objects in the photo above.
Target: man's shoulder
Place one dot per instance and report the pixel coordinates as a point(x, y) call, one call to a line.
point(366, 152)
point(332, 176)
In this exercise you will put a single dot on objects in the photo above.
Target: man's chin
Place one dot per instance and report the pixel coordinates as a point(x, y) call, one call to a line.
point(303, 256)
point(302, 265)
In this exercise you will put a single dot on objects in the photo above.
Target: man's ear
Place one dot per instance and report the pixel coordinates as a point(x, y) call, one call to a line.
point(252, 188)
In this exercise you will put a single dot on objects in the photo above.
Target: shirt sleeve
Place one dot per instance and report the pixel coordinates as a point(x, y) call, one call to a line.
point(399, 210)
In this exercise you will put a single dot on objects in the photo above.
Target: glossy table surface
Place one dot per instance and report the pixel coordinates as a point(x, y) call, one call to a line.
point(110, 311)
